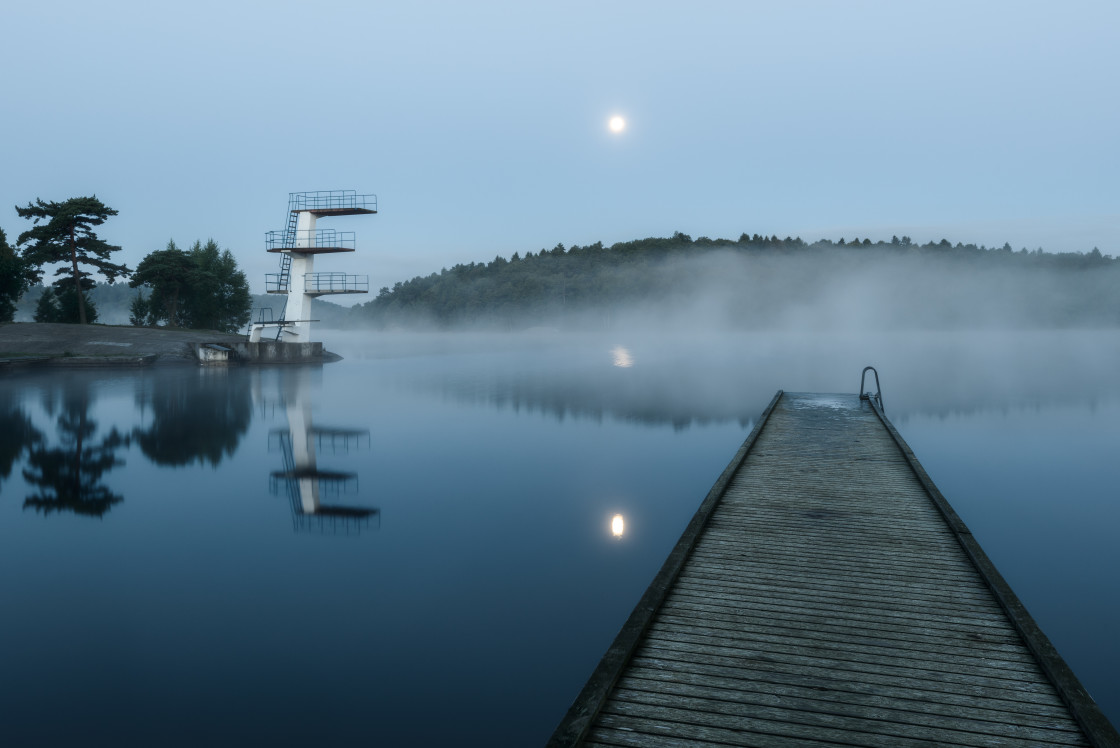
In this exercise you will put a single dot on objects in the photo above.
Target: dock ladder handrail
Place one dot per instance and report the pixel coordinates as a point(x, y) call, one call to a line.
point(878, 396)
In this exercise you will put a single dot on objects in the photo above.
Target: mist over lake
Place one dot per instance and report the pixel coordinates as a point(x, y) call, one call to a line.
point(444, 571)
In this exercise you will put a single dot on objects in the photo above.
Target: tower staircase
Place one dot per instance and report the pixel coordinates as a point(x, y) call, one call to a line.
point(289, 243)
point(284, 281)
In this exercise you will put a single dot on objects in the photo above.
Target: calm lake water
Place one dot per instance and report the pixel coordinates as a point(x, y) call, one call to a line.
point(413, 546)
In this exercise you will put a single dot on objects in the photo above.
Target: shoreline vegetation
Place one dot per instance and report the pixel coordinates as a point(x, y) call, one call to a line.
point(751, 283)
point(758, 282)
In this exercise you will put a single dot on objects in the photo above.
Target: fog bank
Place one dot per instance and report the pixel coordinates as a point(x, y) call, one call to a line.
point(854, 290)
point(760, 283)
point(686, 378)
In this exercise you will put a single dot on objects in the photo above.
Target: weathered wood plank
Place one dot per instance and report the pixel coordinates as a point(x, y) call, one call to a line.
point(747, 590)
point(743, 729)
point(700, 631)
point(851, 640)
point(832, 515)
point(870, 616)
point(827, 630)
point(835, 579)
point(627, 736)
point(791, 551)
point(838, 678)
point(910, 700)
point(782, 556)
point(854, 667)
point(722, 708)
point(882, 550)
point(654, 663)
point(806, 578)
point(888, 545)
point(813, 620)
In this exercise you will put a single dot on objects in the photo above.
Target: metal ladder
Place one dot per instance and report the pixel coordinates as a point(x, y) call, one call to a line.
point(285, 279)
point(865, 394)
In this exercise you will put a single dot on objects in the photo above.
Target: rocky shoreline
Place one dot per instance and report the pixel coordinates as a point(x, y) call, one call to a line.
point(30, 344)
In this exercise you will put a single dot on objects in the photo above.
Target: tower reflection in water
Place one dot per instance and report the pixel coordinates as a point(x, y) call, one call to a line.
point(304, 482)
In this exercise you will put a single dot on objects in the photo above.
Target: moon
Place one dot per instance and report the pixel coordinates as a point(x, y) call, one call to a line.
point(616, 124)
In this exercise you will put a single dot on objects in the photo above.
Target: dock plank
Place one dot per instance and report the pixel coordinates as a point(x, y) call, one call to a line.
point(918, 703)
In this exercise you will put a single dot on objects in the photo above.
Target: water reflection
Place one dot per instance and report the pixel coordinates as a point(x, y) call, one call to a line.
point(69, 475)
point(706, 378)
point(302, 479)
point(196, 415)
point(17, 433)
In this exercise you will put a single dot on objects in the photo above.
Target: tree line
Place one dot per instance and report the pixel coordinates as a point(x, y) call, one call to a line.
point(200, 287)
point(558, 283)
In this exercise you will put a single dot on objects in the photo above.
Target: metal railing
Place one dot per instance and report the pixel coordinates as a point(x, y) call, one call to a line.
point(878, 396)
point(276, 282)
point(334, 283)
point(334, 524)
point(341, 441)
point(309, 238)
point(331, 200)
point(260, 316)
point(330, 484)
point(327, 441)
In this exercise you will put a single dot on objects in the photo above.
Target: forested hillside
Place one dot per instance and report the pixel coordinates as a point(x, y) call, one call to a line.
point(762, 282)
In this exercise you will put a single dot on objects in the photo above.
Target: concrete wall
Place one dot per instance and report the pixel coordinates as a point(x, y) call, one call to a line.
point(273, 352)
point(209, 353)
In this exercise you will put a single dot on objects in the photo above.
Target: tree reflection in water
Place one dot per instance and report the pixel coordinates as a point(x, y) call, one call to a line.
point(69, 476)
point(197, 415)
point(17, 433)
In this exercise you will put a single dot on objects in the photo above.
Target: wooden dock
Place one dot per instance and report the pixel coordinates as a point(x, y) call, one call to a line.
point(825, 593)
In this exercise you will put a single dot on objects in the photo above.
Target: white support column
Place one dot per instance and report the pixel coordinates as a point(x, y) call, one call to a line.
point(303, 451)
point(298, 306)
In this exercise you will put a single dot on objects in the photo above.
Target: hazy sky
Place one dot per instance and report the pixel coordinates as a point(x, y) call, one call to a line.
point(482, 126)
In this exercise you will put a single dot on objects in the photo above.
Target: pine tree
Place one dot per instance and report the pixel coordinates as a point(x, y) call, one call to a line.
point(46, 310)
point(220, 297)
point(172, 275)
point(66, 236)
point(140, 311)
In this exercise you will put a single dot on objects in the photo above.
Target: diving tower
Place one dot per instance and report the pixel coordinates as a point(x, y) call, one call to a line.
point(297, 245)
